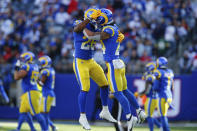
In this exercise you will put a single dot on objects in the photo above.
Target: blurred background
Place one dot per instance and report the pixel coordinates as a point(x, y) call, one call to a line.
point(152, 28)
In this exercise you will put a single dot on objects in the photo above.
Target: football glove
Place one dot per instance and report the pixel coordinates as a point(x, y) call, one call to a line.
point(120, 37)
point(17, 65)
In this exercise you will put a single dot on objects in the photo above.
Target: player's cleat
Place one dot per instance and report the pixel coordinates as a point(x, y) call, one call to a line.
point(105, 114)
point(160, 129)
point(141, 115)
point(84, 122)
point(54, 128)
point(131, 123)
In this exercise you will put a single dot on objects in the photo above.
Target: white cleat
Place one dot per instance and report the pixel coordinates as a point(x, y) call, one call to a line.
point(84, 122)
point(160, 129)
point(131, 123)
point(141, 115)
point(105, 114)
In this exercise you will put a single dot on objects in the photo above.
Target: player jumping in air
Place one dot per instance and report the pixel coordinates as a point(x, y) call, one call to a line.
point(85, 67)
point(165, 78)
point(26, 70)
point(110, 40)
point(47, 82)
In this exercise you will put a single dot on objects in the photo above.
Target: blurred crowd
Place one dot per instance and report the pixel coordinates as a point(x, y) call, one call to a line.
point(152, 28)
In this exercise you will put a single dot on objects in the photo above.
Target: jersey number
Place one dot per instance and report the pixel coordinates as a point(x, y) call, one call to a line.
point(34, 77)
point(88, 45)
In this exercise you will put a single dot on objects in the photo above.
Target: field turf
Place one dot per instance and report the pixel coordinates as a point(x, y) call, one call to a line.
point(8, 126)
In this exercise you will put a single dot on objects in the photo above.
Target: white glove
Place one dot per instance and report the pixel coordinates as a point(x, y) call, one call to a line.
point(17, 65)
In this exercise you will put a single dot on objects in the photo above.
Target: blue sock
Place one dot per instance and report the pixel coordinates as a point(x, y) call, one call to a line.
point(46, 117)
point(150, 123)
point(21, 119)
point(30, 121)
point(51, 123)
point(131, 98)
point(104, 95)
point(133, 111)
point(164, 121)
point(156, 122)
point(123, 101)
point(82, 101)
point(41, 121)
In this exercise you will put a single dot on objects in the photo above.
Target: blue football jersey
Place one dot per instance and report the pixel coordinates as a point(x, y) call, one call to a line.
point(165, 78)
point(84, 48)
point(154, 83)
point(111, 45)
point(48, 87)
point(29, 82)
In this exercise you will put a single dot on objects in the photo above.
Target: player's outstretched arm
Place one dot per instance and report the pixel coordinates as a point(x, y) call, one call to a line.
point(42, 80)
point(95, 35)
point(79, 27)
point(19, 74)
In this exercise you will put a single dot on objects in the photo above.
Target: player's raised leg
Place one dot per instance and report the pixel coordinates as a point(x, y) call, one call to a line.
point(116, 86)
point(132, 99)
point(97, 74)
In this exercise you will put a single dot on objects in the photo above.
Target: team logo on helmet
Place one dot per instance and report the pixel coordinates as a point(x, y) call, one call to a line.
point(45, 61)
point(27, 57)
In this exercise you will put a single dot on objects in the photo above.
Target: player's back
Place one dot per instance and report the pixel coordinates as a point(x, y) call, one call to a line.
point(83, 46)
point(111, 45)
point(29, 82)
point(166, 79)
point(49, 84)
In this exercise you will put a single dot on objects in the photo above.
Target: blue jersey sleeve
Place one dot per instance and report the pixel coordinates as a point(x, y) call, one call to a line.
point(76, 22)
point(25, 67)
point(45, 72)
point(109, 30)
point(157, 74)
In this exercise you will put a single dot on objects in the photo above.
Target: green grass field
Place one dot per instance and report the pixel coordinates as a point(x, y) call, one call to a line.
point(8, 126)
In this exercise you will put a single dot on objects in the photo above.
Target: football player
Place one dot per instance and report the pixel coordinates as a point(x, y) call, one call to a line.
point(111, 37)
point(151, 96)
point(85, 67)
point(26, 70)
point(165, 77)
point(47, 82)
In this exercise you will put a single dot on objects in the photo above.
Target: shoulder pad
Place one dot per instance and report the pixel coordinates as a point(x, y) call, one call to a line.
point(76, 22)
point(150, 78)
point(25, 67)
point(157, 73)
point(109, 30)
point(45, 72)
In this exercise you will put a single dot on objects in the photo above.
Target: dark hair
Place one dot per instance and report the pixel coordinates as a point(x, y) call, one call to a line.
point(80, 15)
